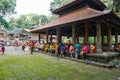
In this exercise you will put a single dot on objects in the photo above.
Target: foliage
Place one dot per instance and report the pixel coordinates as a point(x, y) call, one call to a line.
point(116, 4)
point(7, 7)
point(26, 21)
point(3, 22)
point(58, 3)
point(113, 4)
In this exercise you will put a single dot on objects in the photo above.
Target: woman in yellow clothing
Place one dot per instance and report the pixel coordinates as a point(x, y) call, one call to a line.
point(47, 47)
point(51, 48)
point(56, 48)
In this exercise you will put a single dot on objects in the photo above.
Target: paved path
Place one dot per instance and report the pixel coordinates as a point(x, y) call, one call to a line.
point(11, 50)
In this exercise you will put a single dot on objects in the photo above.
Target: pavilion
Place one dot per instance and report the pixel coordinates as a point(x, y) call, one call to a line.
point(83, 18)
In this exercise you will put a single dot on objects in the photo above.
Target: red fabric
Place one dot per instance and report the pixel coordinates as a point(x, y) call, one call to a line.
point(85, 49)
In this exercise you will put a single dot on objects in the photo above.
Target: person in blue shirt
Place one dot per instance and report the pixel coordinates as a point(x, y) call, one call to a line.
point(62, 49)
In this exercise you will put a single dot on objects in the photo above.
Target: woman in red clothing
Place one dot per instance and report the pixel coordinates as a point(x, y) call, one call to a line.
point(23, 46)
point(92, 49)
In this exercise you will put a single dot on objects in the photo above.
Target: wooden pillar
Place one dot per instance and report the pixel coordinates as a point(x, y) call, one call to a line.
point(102, 37)
point(58, 35)
point(95, 39)
point(77, 39)
point(39, 37)
point(116, 38)
point(109, 38)
point(51, 38)
point(86, 33)
point(73, 34)
point(98, 44)
point(46, 36)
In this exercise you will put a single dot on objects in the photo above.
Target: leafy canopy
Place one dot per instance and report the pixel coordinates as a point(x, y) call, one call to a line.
point(7, 7)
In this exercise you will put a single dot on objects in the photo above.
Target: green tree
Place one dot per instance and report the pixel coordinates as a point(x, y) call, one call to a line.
point(26, 21)
point(112, 4)
point(43, 19)
point(3, 22)
point(58, 3)
point(7, 7)
point(12, 24)
point(54, 5)
point(116, 4)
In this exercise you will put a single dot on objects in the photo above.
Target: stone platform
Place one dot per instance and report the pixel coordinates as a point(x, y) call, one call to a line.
point(105, 57)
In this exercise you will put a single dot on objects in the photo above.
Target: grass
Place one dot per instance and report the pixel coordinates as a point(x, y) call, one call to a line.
point(45, 67)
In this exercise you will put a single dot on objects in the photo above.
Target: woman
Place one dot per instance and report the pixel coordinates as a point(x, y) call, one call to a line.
point(23, 46)
point(92, 49)
point(31, 44)
point(2, 47)
point(71, 50)
point(85, 51)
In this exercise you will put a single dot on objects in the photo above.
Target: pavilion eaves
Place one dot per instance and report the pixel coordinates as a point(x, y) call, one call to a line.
point(77, 15)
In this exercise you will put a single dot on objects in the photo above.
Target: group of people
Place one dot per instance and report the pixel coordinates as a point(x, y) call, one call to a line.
point(74, 50)
point(26, 46)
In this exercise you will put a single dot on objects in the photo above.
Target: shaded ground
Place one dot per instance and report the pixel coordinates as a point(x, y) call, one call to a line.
point(18, 65)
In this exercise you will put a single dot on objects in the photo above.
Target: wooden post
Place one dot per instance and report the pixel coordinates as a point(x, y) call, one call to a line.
point(39, 37)
point(86, 33)
point(46, 36)
point(102, 37)
point(109, 38)
point(51, 38)
point(73, 34)
point(58, 35)
point(116, 38)
point(77, 39)
point(98, 44)
point(95, 39)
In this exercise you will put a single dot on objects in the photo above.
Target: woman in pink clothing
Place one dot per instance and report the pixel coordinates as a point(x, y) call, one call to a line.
point(85, 51)
point(71, 50)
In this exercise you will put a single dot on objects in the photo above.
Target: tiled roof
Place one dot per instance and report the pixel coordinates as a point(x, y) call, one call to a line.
point(73, 3)
point(16, 31)
point(77, 15)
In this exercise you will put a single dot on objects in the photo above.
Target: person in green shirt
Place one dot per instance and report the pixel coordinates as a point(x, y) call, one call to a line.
point(77, 50)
